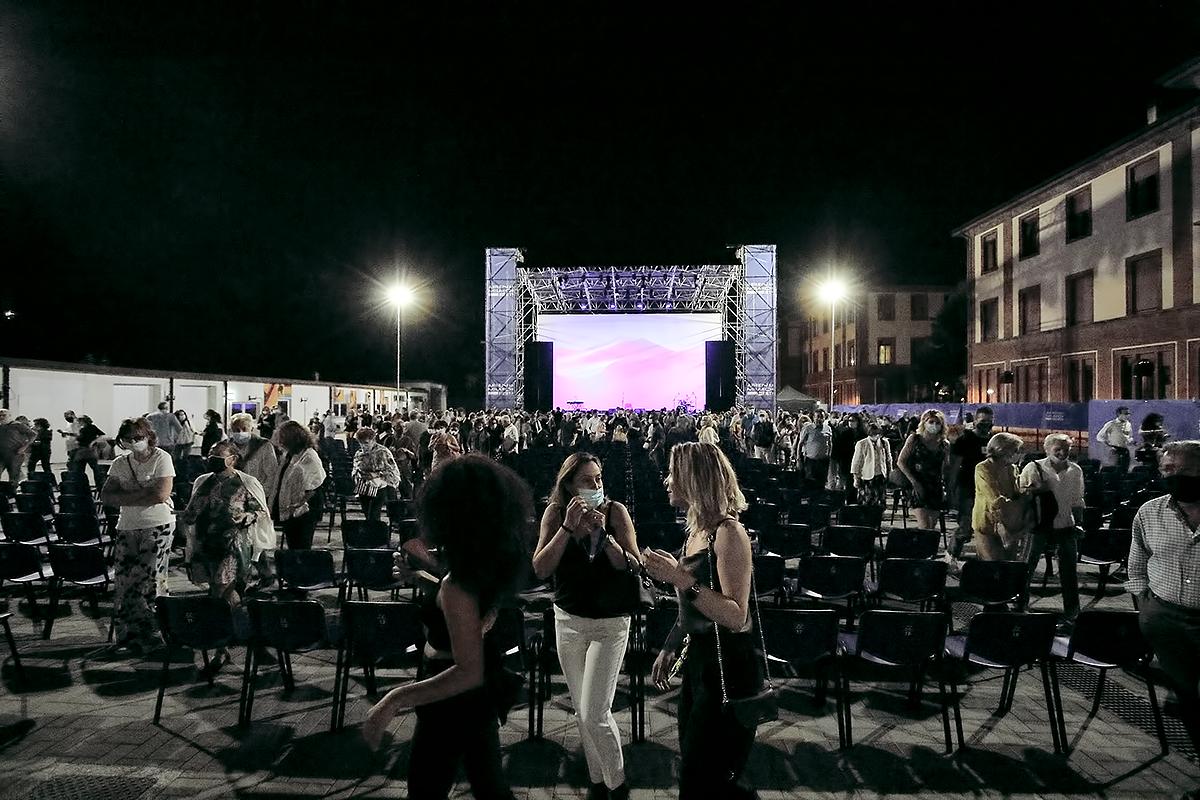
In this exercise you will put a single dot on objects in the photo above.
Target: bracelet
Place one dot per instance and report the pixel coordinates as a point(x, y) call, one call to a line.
point(568, 530)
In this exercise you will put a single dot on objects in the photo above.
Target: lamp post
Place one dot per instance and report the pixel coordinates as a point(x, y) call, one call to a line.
point(399, 296)
point(831, 291)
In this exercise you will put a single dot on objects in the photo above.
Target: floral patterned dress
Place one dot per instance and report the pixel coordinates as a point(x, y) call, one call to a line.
point(221, 510)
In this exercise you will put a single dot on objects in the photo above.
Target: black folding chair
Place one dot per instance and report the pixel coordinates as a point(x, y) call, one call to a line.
point(288, 626)
point(79, 565)
point(366, 534)
point(911, 543)
point(768, 576)
point(870, 516)
point(26, 527)
point(912, 580)
point(992, 584)
point(804, 641)
point(308, 570)
point(790, 541)
point(1105, 640)
point(910, 641)
point(856, 541)
point(198, 622)
point(79, 529)
point(371, 570)
point(76, 504)
point(371, 632)
point(22, 564)
point(1010, 640)
point(12, 646)
point(655, 624)
point(1105, 549)
point(511, 636)
point(38, 503)
point(831, 579)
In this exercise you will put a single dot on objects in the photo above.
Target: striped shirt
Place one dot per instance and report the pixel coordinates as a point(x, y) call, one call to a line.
point(1164, 555)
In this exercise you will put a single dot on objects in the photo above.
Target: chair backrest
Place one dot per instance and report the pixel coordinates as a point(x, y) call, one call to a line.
point(288, 625)
point(816, 514)
point(1122, 516)
point(19, 560)
point(77, 528)
point(40, 504)
point(835, 498)
point(382, 629)
point(7, 489)
point(1091, 518)
point(197, 621)
point(43, 477)
point(1110, 636)
point(850, 540)
point(988, 582)
point(901, 637)
point(793, 540)
point(800, 636)
point(397, 510)
point(23, 526)
point(912, 579)
point(911, 543)
point(408, 529)
point(365, 533)
point(761, 516)
point(768, 573)
point(75, 563)
point(5, 504)
point(1111, 545)
point(305, 567)
point(36, 487)
point(76, 504)
point(1011, 638)
point(871, 516)
point(71, 478)
point(370, 568)
point(833, 576)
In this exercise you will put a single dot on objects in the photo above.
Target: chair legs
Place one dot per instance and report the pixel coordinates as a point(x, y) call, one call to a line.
point(1100, 676)
point(12, 648)
point(1052, 709)
point(249, 674)
point(1158, 719)
point(162, 683)
point(55, 594)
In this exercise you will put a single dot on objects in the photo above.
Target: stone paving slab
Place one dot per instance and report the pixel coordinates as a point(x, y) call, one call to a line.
point(82, 724)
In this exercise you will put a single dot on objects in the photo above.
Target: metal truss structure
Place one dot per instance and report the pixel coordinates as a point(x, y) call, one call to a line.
point(742, 293)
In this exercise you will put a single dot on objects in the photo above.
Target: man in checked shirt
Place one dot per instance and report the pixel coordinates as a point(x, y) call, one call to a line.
point(1164, 572)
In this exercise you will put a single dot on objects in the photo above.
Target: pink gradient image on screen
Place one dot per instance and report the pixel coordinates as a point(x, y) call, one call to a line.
point(628, 360)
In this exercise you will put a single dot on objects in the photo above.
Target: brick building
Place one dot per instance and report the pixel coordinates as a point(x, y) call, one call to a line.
point(877, 337)
point(1087, 286)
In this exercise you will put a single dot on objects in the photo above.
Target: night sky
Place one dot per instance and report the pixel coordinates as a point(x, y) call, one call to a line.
point(186, 187)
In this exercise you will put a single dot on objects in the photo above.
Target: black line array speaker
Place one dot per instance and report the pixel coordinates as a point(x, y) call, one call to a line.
point(539, 376)
point(719, 376)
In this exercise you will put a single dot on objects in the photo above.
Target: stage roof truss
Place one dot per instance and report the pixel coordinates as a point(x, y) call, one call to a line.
point(600, 290)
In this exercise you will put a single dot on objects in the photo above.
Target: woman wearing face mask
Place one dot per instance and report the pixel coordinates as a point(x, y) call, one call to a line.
point(187, 437)
point(588, 543)
point(140, 484)
point(923, 461)
point(257, 457)
point(296, 500)
point(870, 466)
point(213, 432)
point(998, 518)
point(227, 509)
point(1065, 479)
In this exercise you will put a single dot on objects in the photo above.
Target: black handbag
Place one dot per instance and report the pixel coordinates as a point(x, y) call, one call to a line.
point(1045, 505)
point(763, 705)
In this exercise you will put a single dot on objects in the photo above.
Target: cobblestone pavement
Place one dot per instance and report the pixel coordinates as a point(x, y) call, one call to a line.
point(80, 727)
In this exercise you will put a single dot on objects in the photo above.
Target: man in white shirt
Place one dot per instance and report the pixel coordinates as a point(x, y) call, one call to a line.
point(1117, 433)
point(1065, 480)
point(166, 427)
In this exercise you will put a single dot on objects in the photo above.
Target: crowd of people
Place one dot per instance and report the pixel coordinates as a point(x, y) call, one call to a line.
point(473, 508)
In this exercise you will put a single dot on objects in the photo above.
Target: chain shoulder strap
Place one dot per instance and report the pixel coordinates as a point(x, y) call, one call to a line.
point(712, 572)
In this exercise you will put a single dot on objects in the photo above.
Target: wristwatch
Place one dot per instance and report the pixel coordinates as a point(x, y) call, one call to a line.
point(694, 589)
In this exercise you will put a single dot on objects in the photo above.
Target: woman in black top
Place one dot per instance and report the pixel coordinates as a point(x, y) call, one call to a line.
point(713, 743)
point(213, 432)
point(476, 511)
point(588, 544)
point(39, 451)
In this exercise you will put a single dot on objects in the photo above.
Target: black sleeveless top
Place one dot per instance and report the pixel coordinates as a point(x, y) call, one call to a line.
point(591, 587)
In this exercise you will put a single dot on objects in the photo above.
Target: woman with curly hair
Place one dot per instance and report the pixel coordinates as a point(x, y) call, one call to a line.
point(477, 512)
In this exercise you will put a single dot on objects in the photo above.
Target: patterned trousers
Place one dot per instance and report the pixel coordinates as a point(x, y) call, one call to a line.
point(140, 574)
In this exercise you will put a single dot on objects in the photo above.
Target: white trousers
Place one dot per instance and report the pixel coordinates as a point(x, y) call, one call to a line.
point(591, 652)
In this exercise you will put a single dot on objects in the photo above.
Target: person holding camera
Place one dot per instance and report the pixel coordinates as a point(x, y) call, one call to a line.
point(587, 542)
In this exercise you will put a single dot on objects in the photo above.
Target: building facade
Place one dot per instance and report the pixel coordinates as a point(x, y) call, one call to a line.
point(1087, 286)
point(876, 339)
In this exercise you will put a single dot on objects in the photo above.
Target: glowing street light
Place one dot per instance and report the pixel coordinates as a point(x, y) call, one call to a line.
point(831, 291)
point(401, 296)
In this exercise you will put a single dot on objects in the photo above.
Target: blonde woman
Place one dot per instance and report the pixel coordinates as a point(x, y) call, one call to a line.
point(923, 461)
point(708, 430)
point(998, 517)
point(714, 745)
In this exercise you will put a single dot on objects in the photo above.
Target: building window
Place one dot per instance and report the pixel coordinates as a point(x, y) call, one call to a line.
point(989, 320)
point(887, 351)
point(824, 358)
point(1031, 382)
point(794, 347)
point(1079, 379)
point(1080, 303)
point(851, 358)
point(1079, 214)
point(987, 385)
point(920, 307)
point(1147, 383)
point(1143, 283)
point(1030, 226)
point(886, 307)
point(837, 355)
point(1029, 303)
point(812, 360)
point(1141, 187)
point(989, 252)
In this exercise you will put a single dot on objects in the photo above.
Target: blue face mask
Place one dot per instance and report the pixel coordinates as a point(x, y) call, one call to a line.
point(593, 499)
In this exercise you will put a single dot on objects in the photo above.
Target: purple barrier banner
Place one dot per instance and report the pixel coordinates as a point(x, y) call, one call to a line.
point(1037, 416)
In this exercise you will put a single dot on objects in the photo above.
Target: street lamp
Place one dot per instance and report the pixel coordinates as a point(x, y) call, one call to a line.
point(400, 296)
point(831, 291)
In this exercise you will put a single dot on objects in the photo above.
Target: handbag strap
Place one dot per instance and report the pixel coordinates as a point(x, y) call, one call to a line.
point(712, 572)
